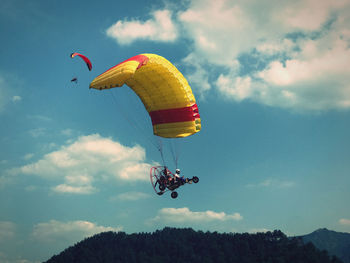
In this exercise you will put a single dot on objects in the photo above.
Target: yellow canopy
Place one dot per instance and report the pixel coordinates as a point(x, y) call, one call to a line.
point(163, 90)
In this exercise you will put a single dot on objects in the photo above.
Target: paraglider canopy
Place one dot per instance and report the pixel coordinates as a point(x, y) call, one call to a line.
point(87, 61)
point(162, 88)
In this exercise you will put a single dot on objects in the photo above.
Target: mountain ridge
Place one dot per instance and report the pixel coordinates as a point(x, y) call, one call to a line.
point(336, 243)
point(187, 245)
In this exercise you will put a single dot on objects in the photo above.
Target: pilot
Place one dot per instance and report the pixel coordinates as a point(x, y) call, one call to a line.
point(179, 178)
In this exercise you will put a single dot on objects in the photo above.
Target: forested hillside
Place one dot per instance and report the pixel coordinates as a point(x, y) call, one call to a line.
point(336, 243)
point(186, 245)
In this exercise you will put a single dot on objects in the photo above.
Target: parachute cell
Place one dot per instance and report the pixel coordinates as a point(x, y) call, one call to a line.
point(163, 90)
point(87, 61)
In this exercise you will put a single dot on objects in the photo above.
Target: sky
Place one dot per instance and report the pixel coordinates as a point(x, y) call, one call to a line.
point(271, 80)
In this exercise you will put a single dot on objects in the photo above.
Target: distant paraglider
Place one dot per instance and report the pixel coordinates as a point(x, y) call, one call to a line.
point(87, 61)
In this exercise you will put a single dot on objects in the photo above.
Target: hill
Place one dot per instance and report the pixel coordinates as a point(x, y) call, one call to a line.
point(335, 243)
point(186, 245)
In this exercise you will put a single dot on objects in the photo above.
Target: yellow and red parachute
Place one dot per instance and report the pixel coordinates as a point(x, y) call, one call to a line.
point(163, 90)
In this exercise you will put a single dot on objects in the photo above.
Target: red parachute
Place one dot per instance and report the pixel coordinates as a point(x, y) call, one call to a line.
point(87, 61)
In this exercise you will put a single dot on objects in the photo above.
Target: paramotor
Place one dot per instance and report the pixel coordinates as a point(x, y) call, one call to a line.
point(164, 180)
point(169, 101)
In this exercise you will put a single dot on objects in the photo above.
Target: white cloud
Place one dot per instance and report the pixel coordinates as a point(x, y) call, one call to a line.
point(28, 156)
point(72, 189)
point(273, 47)
point(299, 50)
point(7, 230)
point(130, 196)
point(134, 171)
point(272, 183)
point(39, 118)
point(159, 28)
point(37, 132)
point(214, 27)
point(198, 76)
point(316, 79)
point(4, 96)
point(8, 86)
point(185, 215)
point(309, 15)
point(230, 28)
point(87, 160)
point(6, 180)
point(67, 132)
point(237, 89)
point(344, 221)
point(234, 27)
point(259, 230)
point(73, 231)
point(31, 188)
point(16, 98)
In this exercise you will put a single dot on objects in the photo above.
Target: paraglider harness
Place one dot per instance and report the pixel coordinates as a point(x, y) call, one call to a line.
point(164, 180)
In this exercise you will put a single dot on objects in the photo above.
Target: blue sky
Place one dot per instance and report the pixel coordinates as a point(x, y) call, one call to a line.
point(271, 81)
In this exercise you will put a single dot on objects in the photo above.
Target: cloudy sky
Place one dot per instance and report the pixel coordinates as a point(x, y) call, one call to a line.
point(271, 80)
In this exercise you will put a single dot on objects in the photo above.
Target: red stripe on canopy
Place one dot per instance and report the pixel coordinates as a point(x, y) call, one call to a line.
point(175, 115)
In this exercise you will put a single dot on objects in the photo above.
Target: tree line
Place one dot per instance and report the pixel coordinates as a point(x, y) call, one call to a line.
point(186, 245)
